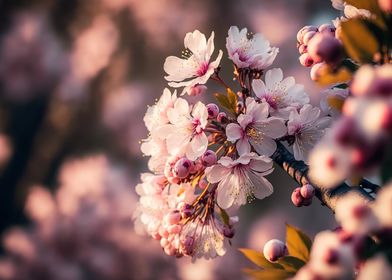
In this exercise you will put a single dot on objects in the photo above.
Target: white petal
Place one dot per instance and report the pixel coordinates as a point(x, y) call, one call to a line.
point(195, 41)
point(178, 69)
point(261, 164)
point(198, 146)
point(263, 187)
point(225, 197)
point(233, 132)
point(259, 88)
point(273, 127)
point(243, 146)
point(273, 77)
point(265, 147)
point(216, 173)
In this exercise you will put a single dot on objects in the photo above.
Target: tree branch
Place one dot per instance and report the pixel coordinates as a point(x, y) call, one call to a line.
point(298, 171)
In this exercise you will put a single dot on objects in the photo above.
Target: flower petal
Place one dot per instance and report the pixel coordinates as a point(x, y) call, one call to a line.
point(233, 132)
point(216, 173)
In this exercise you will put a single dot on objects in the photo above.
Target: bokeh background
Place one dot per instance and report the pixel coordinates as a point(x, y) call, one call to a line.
point(76, 77)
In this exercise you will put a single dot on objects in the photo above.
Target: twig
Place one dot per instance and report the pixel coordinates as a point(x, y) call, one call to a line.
point(298, 171)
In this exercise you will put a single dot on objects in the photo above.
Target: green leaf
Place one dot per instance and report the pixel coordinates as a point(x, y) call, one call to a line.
point(358, 41)
point(233, 99)
point(327, 75)
point(270, 274)
point(291, 263)
point(298, 243)
point(258, 259)
point(223, 100)
point(225, 217)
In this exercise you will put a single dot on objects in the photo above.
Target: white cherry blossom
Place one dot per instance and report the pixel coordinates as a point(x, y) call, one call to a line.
point(185, 133)
point(307, 128)
point(241, 179)
point(282, 95)
point(196, 68)
point(256, 129)
point(247, 51)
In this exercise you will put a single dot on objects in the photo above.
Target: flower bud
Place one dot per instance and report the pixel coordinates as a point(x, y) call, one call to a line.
point(297, 198)
point(213, 110)
point(182, 167)
point(172, 218)
point(170, 250)
point(197, 90)
point(222, 117)
point(303, 48)
point(307, 191)
point(327, 28)
point(185, 209)
point(164, 242)
point(208, 158)
point(315, 71)
point(326, 48)
point(307, 36)
point(385, 5)
point(303, 31)
point(174, 229)
point(274, 249)
point(307, 201)
point(306, 60)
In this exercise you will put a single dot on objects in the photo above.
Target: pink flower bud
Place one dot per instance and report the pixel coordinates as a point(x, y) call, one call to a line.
point(208, 158)
point(197, 90)
point(185, 209)
point(326, 48)
point(303, 48)
point(315, 71)
point(164, 242)
point(156, 236)
point(385, 5)
point(304, 30)
point(307, 36)
point(163, 232)
point(327, 28)
point(213, 110)
point(306, 60)
point(274, 249)
point(182, 167)
point(174, 229)
point(297, 198)
point(307, 191)
point(172, 218)
point(170, 250)
point(222, 117)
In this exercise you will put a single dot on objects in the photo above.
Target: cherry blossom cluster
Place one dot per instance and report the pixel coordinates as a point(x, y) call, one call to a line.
point(207, 160)
point(357, 141)
point(341, 254)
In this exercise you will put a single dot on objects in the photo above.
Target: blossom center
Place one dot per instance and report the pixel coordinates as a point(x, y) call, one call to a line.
point(256, 135)
point(203, 68)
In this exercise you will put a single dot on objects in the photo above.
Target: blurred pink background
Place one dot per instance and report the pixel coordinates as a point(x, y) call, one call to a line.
point(75, 81)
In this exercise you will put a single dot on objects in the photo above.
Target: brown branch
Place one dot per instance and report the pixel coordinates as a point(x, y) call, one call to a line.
point(298, 171)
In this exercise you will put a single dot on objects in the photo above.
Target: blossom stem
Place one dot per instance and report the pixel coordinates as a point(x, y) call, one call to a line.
point(298, 171)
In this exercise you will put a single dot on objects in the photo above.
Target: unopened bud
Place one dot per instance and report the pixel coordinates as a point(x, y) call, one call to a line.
point(222, 117)
point(308, 36)
point(297, 198)
point(315, 71)
point(182, 167)
point(307, 191)
point(213, 110)
point(274, 249)
point(172, 218)
point(327, 28)
point(326, 48)
point(208, 158)
point(303, 48)
point(306, 60)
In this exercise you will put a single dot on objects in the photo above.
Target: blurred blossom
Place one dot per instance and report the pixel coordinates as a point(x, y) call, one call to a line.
point(377, 268)
point(92, 51)
point(6, 149)
point(84, 231)
point(31, 58)
point(160, 19)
